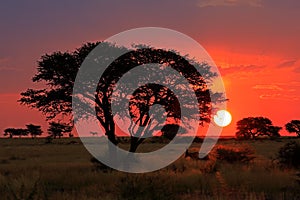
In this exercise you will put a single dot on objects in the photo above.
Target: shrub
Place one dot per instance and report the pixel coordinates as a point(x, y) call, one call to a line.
point(234, 154)
point(289, 154)
point(48, 140)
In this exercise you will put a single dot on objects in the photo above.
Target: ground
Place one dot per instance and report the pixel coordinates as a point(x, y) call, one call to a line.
point(33, 169)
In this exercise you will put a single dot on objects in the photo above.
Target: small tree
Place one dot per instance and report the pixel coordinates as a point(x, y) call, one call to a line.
point(34, 130)
point(293, 127)
point(15, 132)
point(58, 129)
point(9, 132)
point(253, 127)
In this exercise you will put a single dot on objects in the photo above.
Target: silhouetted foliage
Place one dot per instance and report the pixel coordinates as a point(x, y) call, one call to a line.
point(48, 139)
point(293, 127)
point(34, 130)
point(9, 132)
point(198, 139)
point(59, 69)
point(169, 131)
point(143, 123)
point(232, 155)
point(58, 129)
point(254, 127)
point(15, 132)
point(289, 154)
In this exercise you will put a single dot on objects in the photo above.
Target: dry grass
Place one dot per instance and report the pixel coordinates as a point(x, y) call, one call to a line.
point(31, 169)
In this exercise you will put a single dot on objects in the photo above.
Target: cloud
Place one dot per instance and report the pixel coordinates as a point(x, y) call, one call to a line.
point(287, 63)
point(214, 3)
point(267, 87)
point(289, 84)
point(279, 97)
point(241, 69)
point(279, 91)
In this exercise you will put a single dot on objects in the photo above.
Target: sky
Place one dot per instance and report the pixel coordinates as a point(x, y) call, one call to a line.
point(255, 44)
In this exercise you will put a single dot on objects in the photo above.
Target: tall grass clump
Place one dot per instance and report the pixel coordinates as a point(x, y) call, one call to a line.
point(289, 155)
point(242, 154)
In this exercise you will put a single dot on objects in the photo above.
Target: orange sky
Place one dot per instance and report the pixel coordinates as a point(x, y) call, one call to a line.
point(255, 44)
point(268, 88)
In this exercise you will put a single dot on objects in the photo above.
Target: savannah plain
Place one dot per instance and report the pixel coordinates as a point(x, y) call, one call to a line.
point(63, 169)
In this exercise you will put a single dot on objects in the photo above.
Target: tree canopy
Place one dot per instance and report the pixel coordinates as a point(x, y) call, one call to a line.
point(58, 129)
point(293, 127)
point(59, 69)
point(254, 127)
point(34, 130)
point(58, 72)
point(11, 132)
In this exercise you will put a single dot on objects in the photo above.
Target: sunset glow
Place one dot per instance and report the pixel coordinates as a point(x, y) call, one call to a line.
point(139, 99)
point(257, 58)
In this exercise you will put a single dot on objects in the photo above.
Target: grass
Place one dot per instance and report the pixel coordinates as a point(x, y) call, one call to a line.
point(31, 169)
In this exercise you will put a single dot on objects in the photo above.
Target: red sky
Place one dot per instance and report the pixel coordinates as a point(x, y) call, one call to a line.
point(255, 44)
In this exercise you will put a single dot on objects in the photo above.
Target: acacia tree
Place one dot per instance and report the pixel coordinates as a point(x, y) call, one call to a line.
point(15, 132)
point(9, 132)
point(34, 130)
point(293, 127)
point(58, 129)
point(147, 95)
point(58, 71)
point(253, 127)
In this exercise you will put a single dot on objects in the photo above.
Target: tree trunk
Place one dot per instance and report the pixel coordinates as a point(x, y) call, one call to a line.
point(133, 144)
point(111, 137)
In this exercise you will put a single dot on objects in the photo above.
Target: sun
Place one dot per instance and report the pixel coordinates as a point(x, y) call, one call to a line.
point(222, 118)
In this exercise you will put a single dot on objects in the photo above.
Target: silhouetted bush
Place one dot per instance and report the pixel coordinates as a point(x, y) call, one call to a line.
point(289, 154)
point(48, 140)
point(197, 140)
point(234, 154)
